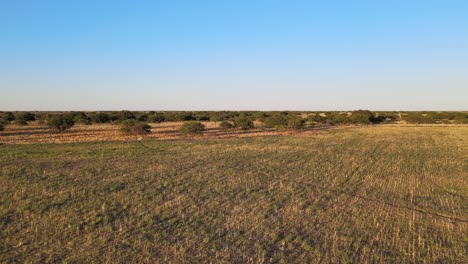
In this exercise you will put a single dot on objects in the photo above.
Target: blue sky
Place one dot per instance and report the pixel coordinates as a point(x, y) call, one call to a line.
point(233, 55)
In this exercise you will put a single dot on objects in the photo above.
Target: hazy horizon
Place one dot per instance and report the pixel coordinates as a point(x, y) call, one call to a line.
point(242, 55)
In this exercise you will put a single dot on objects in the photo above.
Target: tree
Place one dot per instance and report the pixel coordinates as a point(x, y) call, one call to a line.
point(60, 123)
point(192, 128)
point(134, 127)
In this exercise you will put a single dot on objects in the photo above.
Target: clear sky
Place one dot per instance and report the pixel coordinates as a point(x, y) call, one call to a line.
point(233, 55)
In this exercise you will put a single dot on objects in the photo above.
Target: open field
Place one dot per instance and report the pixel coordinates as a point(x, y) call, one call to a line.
point(391, 194)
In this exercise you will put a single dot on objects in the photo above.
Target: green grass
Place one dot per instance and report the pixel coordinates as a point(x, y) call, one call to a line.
point(371, 194)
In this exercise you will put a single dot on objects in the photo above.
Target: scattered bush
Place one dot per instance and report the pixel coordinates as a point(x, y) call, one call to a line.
point(134, 127)
point(225, 125)
point(243, 123)
point(60, 123)
point(192, 128)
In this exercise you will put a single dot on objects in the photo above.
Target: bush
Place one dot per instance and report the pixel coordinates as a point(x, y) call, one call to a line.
point(243, 122)
point(361, 117)
point(316, 118)
point(336, 118)
point(2, 126)
point(100, 118)
point(125, 115)
point(134, 127)
point(7, 117)
point(225, 125)
point(82, 118)
point(21, 122)
point(60, 123)
point(277, 120)
point(296, 122)
point(192, 128)
point(156, 118)
point(23, 118)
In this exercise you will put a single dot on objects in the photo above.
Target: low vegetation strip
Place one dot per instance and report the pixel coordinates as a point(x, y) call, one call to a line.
point(374, 194)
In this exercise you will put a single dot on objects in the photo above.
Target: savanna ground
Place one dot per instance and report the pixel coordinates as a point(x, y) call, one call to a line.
point(394, 194)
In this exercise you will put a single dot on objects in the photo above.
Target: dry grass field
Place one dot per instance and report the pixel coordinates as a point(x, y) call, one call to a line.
point(376, 194)
point(35, 133)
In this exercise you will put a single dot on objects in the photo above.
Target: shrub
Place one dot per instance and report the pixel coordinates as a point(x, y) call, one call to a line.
point(7, 117)
point(243, 122)
point(277, 120)
point(296, 122)
point(142, 117)
point(124, 115)
point(21, 122)
point(225, 125)
point(60, 123)
point(260, 116)
point(82, 118)
point(2, 126)
point(336, 118)
point(134, 127)
point(361, 117)
point(317, 118)
point(156, 118)
point(100, 118)
point(192, 128)
point(22, 118)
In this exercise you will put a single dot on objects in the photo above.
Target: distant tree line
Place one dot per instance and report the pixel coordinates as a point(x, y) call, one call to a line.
point(232, 119)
